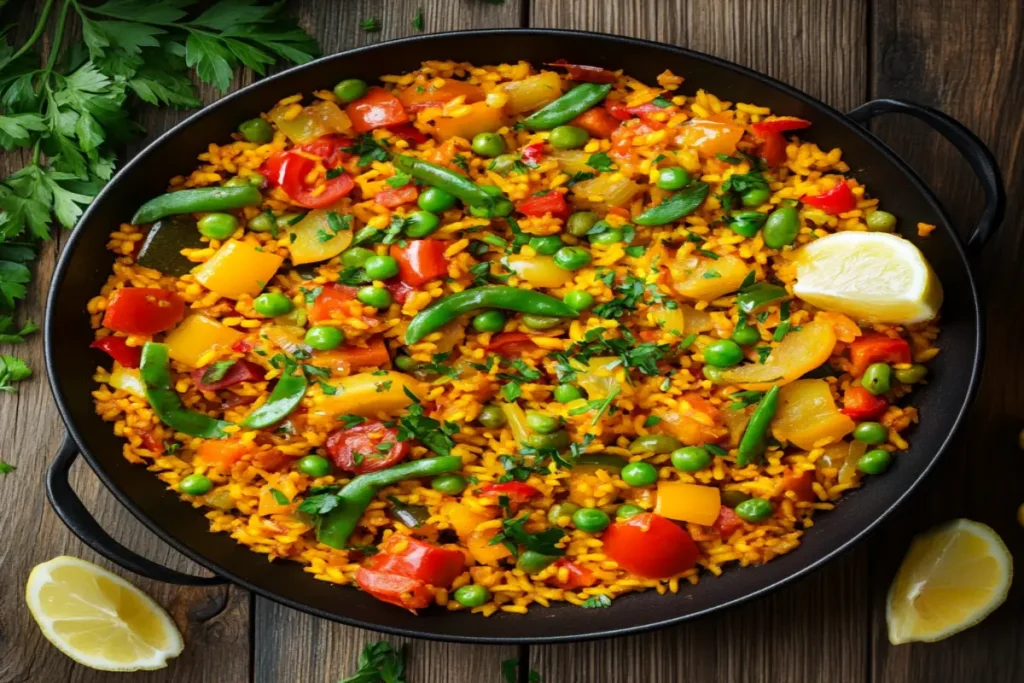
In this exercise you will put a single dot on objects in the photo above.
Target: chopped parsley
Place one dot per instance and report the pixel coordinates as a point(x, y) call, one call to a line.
point(432, 434)
point(6, 468)
point(279, 497)
point(651, 421)
point(597, 602)
point(371, 24)
point(400, 179)
point(514, 534)
point(368, 149)
point(600, 162)
point(217, 371)
point(417, 19)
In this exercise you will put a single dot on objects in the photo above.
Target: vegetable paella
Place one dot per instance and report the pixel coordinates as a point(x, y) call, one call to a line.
point(493, 336)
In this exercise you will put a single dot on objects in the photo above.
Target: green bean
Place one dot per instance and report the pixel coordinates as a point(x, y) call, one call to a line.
point(444, 179)
point(568, 106)
point(155, 371)
point(197, 200)
point(752, 443)
point(681, 204)
point(282, 401)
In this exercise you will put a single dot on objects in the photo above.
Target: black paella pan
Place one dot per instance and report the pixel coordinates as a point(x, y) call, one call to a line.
point(85, 263)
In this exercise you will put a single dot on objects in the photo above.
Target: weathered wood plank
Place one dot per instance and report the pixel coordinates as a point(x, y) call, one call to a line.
point(819, 47)
point(328, 650)
point(964, 58)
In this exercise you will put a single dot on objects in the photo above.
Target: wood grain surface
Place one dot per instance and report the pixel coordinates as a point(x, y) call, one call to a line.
point(964, 57)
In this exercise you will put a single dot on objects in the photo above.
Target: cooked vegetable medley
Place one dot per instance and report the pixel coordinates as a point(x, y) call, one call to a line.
point(493, 336)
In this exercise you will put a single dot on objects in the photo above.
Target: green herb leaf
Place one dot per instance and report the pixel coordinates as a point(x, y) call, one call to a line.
point(370, 24)
point(349, 421)
point(600, 162)
point(417, 20)
point(217, 371)
point(6, 468)
point(379, 662)
point(279, 497)
point(597, 602)
point(651, 421)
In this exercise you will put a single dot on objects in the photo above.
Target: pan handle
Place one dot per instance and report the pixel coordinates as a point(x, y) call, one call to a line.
point(970, 145)
point(72, 512)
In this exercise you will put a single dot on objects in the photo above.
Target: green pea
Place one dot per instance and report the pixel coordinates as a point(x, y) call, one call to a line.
point(746, 223)
point(673, 178)
point(256, 130)
point(559, 511)
point(531, 562)
point(567, 393)
point(639, 474)
point(488, 144)
point(421, 223)
point(314, 466)
point(350, 89)
point(568, 137)
point(626, 511)
point(405, 363)
point(871, 433)
point(324, 337)
point(578, 300)
point(591, 520)
point(256, 179)
point(782, 227)
point(723, 353)
point(745, 335)
point(449, 484)
point(754, 510)
point(547, 245)
point(489, 321)
point(558, 440)
point(503, 164)
point(572, 258)
point(655, 443)
point(436, 200)
point(712, 373)
point(540, 322)
point(607, 237)
point(237, 181)
point(472, 595)
point(880, 221)
point(378, 297)
point(380, 267)
point(755, 196)
point(580, 223)
point(874, 462)
point(912, 375)
point(218, 226)
point(272, 304)
point(492, 417)
point(356, 257)
point(195, 485)
point(877, 378)
point(262, 222)
point(541, 423)
point(501, 208)
point(731, 498)
point(691, 458)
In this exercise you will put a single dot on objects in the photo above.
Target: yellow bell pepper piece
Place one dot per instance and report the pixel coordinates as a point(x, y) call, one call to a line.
point(516, 418)
point(197, 334)
point(688, 502)
point(463, 519)
point(314, 239)
point(480, 118)
point(239, 269)
point(269, 505)
point(598, 379)
point(479, 545)
point(127, 379)
point(697, 277)
point(808, 416)
point(539, 271)
point(532, 92)
point(368, 394)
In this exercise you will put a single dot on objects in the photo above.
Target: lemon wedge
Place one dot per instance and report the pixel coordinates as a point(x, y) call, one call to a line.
point(871, 276)
point(99, 619)
point(952, 577)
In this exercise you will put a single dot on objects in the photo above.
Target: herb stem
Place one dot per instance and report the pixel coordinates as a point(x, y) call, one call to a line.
point(58, 37)
point(36, 33)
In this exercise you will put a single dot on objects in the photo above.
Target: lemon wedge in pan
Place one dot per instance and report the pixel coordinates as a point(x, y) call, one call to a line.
point(870, 276)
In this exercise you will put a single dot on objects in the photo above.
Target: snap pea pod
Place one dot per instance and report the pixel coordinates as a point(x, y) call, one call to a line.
point(601, 460)
point(500, 297)
point(757, 295)
point(155, 371)
point(197, 200)
point(752, 443)
point(337, 525)
point(444, 179)
point(682, 203)
point(568, 106)
point(282, 401)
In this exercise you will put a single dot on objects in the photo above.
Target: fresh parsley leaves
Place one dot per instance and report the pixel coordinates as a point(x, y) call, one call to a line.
point(596, 602)
point(600, 162)
point(379, 662)
point(368, 149)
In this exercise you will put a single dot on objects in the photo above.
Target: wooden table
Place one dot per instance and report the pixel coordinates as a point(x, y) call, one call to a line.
point(962, 56)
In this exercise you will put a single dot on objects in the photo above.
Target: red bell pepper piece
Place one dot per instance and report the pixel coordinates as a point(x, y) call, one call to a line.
point(618, 110)
point(839, 199)
point(330, 148)
point(412, 594)
point(399, 291)
point(551, 203)
point(801, 484)
point(511, 344)
point(579, 577)
point(650, 546)
point(355, 449)
point(773, 149)
point(118, 349)
point(143, 311)
point(516, 491)
point(334, 189)
point(410, 133)
point(150, 442)
point(406, 194)
point(861, 404)
point(585, 72)
point(531, 154)
point(241, 371)
point(598, 122)
point(331, 300)
point(727, 523)
point(420, 261)
point(289, 171)
point(376, 109)
point(779, 125)
point(242, 346)
point(877, 348)
point(420, 560)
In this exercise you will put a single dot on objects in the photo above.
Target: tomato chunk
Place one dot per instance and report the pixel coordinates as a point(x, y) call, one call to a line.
point(375, 353)
point(578, 577)
point(241, 371)
point(367, 447)
point(330, 148)
point(551, 203)
point(332, 300)
point(406, 194)
point(418, 559)
point(727, 523)
point(531, 154)
point(773, 149)
point(839, 199)
point(650, 546)
point(143, 311)
point(289, 170)
point(376, 109)
point(861, 404)
point(222, 453)
point(394, 589)
point(598, 122)
point(118, 349)
point(420, 261)
point(516, 491)
point(511, 344)
point(877, 348)
point(801, 484)
point(414, 98)
point(409, 132)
